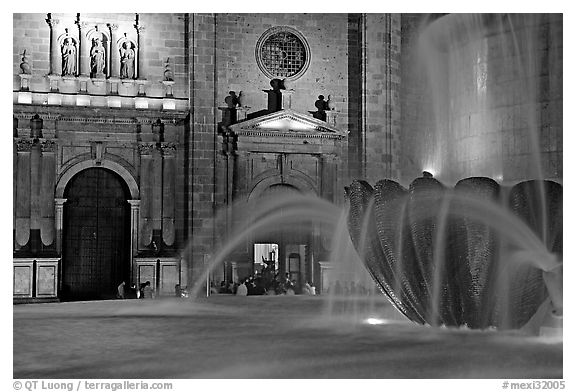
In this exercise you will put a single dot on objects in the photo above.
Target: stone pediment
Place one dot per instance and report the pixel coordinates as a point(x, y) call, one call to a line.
point(287, 123)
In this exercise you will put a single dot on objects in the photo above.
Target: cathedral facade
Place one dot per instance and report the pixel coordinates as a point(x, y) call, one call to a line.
point(132, 131)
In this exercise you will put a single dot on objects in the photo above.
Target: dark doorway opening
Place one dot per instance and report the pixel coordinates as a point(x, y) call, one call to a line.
point(96, 233)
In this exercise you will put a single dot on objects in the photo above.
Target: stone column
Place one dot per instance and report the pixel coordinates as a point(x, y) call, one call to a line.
point(141, 64)
point(55, 58)
point(114, 52)
point(84, 63)
point(59, 203)
point(168, 192)
point(134, 218)
point(234, 271)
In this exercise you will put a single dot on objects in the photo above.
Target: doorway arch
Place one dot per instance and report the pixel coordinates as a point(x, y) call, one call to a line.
point(293, 241)
point(96, 235)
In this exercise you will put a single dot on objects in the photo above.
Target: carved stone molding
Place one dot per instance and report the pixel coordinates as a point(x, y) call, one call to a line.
point(146, 148)
point(168, 148)
point(24, 145)
point(48, 145)
point(75, 117)
point(52, 22)
point(83, 25)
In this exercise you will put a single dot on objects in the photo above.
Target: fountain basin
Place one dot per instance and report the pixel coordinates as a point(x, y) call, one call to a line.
point(463, 256)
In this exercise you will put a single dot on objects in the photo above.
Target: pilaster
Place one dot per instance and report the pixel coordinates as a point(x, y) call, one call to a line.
point(59, 206)
point(142, 68)
point(134, 219)
point(55, 64)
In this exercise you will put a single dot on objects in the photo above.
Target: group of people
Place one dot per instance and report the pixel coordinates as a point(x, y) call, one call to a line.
point(265, 283)
point(144, 292)
point(256, 284)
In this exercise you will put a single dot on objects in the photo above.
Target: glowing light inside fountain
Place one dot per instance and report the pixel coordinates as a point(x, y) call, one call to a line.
point(375, 321)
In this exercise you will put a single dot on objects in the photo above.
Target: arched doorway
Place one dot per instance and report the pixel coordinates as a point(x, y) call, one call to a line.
point(96, 235)
point(292, 242)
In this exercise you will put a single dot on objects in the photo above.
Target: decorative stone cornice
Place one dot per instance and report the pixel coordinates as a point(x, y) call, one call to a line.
point(301, 135)
point(112, 119)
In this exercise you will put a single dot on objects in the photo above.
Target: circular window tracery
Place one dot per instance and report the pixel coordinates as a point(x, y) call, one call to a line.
point(282, 52)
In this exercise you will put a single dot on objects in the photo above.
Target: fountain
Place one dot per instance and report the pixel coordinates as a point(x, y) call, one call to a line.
point(458, 257)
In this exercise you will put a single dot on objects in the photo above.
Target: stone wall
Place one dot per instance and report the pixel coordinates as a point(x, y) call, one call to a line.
point(483, 97)
point(382, 89)
point(413, 93)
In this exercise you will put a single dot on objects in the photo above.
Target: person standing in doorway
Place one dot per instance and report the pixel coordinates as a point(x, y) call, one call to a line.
point(147, 292)
point(121, 293)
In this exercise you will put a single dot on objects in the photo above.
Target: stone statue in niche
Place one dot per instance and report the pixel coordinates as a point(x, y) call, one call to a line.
point(24, 66)
point(68, 58)
point(97, 58)
point(127, 56)
point(168, 75)
point(322, 106)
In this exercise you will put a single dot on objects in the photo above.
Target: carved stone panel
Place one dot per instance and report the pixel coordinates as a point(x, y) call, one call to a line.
point(23, 279)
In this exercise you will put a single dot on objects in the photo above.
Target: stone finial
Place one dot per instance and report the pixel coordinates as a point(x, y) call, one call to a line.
point(24, 66)
point(329, 103)
point(168, 75)
point(277, 84)
point(240, 98)
point(233, 100)
point(322, 106)
point(287, 84)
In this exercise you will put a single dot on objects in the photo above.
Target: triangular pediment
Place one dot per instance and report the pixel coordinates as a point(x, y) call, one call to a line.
point(286, 121)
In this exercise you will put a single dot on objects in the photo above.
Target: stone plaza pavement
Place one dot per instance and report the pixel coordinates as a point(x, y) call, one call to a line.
point(261, 337)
